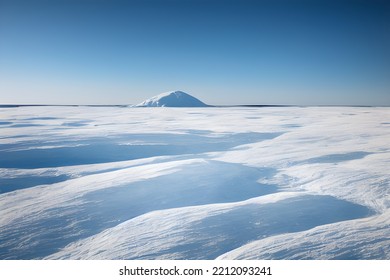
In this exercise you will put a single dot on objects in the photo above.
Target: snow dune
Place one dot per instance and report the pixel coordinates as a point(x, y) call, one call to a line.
point(194, 183)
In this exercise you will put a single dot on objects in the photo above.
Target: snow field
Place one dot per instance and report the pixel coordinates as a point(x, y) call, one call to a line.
point(194, 183)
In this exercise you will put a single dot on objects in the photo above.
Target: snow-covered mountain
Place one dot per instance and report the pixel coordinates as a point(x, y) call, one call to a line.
point(172, 99)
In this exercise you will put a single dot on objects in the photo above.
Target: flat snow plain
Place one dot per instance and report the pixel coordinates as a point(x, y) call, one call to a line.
point(194, 183)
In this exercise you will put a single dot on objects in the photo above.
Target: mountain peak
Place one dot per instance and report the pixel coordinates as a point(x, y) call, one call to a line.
point(172, 99)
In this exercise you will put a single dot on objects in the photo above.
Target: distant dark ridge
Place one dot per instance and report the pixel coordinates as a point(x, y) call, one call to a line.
point(9, 106)
point(53, 105)
point(267, 106)
point(29, 105)
point(215, 106)
point(356, 106)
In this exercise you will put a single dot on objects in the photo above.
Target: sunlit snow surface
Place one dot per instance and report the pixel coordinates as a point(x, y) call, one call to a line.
point(194, 183)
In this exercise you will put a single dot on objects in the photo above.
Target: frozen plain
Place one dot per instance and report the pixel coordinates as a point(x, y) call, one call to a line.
point(194, 183)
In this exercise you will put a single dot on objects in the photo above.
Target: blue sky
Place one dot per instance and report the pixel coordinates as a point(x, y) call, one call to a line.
point(223, 52)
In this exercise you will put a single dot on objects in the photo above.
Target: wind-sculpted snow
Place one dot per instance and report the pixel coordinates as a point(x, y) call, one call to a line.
point(208, 231)
point(358, 239)
point(90, 204)
point(194, 183)
point(120, 148)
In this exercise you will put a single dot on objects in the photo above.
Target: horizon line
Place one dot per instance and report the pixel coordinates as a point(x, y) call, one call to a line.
point(216, 106)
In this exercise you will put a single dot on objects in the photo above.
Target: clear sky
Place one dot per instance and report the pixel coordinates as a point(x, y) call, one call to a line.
point(222, 52)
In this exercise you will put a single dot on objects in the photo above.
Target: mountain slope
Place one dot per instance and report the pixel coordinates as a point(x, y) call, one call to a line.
point(172, 99)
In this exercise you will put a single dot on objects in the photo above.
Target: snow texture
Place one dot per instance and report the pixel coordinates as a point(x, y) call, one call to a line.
point(194, 183)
